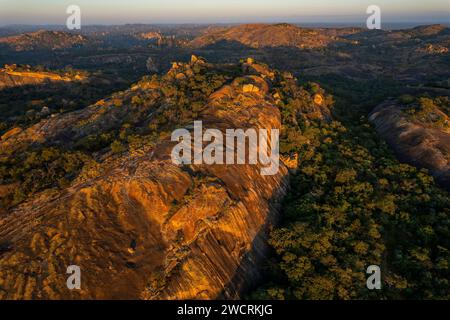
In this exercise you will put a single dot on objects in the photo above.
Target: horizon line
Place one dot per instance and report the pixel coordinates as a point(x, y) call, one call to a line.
point(437, 22)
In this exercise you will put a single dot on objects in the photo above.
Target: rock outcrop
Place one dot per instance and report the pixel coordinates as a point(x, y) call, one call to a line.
point(9, 78)
point(143, 227)
point(414, 142)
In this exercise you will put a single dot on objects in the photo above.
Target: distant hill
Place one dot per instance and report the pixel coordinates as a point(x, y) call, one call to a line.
point(272, 35)
point(11, 76)
point(43, 40)
point(429, 30)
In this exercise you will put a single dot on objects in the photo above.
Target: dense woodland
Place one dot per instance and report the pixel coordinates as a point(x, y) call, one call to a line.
point(352, 204)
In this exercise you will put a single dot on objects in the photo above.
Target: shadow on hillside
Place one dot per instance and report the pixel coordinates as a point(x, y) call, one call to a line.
point(253, 269)
point(28, 104)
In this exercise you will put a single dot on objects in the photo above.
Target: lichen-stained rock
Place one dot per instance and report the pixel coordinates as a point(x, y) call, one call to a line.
point(145, 228)
point(414, 142)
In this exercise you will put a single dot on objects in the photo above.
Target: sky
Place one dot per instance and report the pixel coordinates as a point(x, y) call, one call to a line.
point(221, 11)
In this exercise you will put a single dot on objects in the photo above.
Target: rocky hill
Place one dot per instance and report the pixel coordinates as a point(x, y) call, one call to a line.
point(43, 40)
point(420, 138)
point(138, 225)
point(271, 35)
point(415, 55)
point(10, 77)
point(429, 30)
point(86, 176)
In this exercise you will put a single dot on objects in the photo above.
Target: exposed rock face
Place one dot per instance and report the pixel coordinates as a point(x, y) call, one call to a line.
point(151, 35)
point(144, 227)
point(157, 39)
point(7, 80)
point(414, 142)
point(10, 133)
point(16, 78)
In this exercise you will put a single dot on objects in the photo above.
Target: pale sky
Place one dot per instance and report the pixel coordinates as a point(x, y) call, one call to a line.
point(209, 11)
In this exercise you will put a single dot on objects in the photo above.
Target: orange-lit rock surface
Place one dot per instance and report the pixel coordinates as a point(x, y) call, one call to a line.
point(143, 227)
